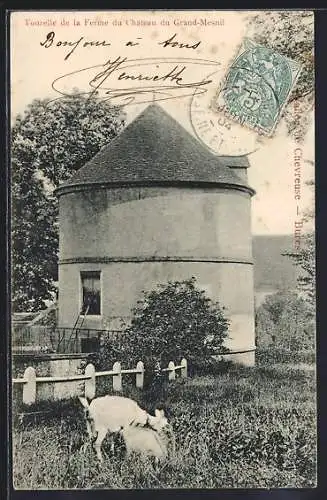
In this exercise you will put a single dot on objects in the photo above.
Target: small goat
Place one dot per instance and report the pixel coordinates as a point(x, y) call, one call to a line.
point(113, 414)
point(148, 442)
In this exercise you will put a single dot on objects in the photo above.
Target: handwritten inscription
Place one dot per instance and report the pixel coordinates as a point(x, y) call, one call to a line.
point(132, 81)
point(173, 42)
point(50, 40)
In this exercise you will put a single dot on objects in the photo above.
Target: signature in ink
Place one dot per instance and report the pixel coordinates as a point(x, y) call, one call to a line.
point(136, 81)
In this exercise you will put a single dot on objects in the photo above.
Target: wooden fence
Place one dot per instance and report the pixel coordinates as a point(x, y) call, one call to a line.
point(30, 379)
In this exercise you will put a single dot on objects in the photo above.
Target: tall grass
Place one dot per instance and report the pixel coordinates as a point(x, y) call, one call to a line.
point(245, 428)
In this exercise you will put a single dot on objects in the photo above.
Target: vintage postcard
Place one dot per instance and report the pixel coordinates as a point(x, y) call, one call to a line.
point(163, 258)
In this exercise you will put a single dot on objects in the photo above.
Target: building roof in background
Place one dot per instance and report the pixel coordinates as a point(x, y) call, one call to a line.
point(272, 270)
point(156, 148)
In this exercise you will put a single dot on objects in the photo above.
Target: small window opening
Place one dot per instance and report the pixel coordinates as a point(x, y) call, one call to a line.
point(91, 293)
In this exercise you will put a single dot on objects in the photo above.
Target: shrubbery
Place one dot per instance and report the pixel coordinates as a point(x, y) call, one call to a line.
point(173, 321)
point(284, 320)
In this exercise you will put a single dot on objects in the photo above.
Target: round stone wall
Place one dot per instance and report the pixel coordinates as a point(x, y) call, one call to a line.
point(138, 237)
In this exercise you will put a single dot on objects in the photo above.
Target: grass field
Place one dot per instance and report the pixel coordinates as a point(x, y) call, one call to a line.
point(244, 428)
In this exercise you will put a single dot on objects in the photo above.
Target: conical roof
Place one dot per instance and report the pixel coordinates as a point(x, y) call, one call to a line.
point(156, 149)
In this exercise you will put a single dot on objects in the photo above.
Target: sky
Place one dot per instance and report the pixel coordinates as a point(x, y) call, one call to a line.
point(34, 67)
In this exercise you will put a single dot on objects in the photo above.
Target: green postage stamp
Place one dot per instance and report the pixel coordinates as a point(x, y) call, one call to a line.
point(257, 87)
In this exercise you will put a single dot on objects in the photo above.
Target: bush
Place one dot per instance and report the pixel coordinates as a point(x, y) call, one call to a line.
point(176, 320)
point(272, 355)
point(284, 320)
point(211, 366)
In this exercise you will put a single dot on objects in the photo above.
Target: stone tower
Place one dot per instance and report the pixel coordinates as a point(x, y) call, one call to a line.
point(155, 205)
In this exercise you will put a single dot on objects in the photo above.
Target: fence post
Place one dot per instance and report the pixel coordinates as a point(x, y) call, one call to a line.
point(171, 372)
point(117, 377)
point(29, 387)
point(184, 368)
point(140, 376)
point(90, 383)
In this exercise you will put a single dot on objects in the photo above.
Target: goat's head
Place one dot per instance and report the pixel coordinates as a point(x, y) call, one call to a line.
point(159, 421)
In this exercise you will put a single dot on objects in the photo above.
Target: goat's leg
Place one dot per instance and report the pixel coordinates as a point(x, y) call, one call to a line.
point(89, 429)
point(98, 442)
point(156, 464)
point(112, 443)
point(91, 435)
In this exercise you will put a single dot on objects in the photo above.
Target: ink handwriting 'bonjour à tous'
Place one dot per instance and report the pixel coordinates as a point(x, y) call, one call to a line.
point(52, 41)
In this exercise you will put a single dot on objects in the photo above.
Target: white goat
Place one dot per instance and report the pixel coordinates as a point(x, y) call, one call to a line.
point(113, 414)
point(148, 442)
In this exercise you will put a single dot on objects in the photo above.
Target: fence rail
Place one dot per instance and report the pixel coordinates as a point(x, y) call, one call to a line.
point(45, 339)
point(30, 379)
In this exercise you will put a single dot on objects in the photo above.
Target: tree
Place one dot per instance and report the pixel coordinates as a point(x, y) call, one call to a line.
point(177, 320)
point(305, 259)
point(173, 321)
point(48, 143)
point(34, 242)
point(290, 33)
point(264, 327)
point(284, 319)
